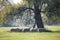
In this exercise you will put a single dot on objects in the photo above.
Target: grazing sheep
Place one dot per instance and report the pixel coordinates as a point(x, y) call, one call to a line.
point(34, 30)
point(16, 30)
point(43, 30)
point(26, 30)
point(13, 30)
point(20, 29)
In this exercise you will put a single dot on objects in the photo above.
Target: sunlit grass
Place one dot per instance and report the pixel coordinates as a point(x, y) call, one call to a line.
point(4, 35)
point(29, 36)
point(53, 28)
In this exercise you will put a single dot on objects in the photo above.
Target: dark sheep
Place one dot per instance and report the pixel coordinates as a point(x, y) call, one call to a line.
point(26, 30)
point(16, 30)
point(13, 30)
point(43, 30)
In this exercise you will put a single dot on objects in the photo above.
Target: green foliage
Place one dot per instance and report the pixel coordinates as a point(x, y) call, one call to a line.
point(9, 11)
point(52, 13)
point(4, 14)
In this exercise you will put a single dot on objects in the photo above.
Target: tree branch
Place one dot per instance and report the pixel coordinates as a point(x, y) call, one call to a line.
point(21, 10)
point(25, 8)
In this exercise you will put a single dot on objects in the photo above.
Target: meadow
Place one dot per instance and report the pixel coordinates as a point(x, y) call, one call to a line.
point(55, 35)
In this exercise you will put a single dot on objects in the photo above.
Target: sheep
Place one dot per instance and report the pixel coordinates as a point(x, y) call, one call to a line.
point(34, 30)
point(16, 30)
point(26, 30)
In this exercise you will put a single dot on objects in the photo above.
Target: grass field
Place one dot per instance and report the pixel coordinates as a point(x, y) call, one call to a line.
point(4, 35)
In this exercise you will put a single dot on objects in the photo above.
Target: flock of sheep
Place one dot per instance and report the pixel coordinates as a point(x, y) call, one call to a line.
point(29, 30)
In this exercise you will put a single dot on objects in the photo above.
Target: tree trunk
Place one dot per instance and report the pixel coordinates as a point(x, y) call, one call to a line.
point(38, 18)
